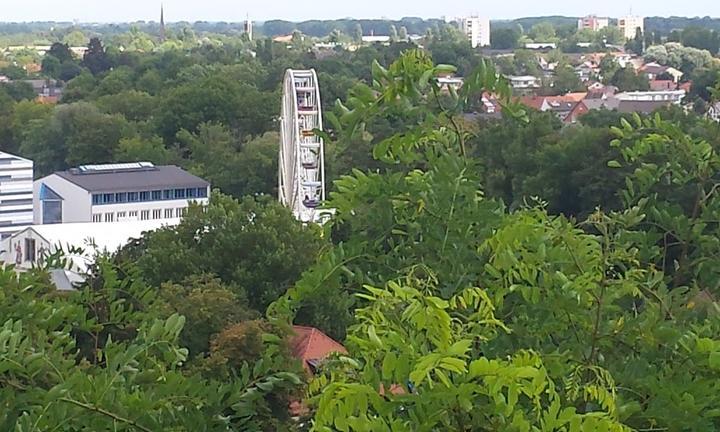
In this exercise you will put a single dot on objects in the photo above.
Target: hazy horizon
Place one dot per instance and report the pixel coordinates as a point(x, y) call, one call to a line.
point(228, 10)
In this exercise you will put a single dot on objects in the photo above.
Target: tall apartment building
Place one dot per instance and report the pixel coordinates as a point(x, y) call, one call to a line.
point(16, 194)
point(117, 193)
point(592, 22)
point(477, 30)
point(629, 25)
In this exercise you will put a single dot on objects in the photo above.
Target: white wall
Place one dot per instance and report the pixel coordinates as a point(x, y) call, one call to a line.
point(8, 251)
point(147, 205)
point(17, 187)
point(76, 200)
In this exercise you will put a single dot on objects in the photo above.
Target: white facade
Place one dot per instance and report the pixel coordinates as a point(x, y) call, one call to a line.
point(119, 196)
point(524, 81)
point(629, 25)
point(78, 243)
point(592, 22)
point(673, 96)
point(16, 194)
point(477, 30)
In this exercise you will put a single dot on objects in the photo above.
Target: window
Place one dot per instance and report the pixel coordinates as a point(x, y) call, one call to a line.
point(157, 214)
point(168, 213)
point(190, 192)
point(97, 217)
point(109, 217)
point(52, 212)
point(121, 197)
point(132, 196)
point(202, 193)
point(133, 215)
point(179, 212)
point(168, 194)
point(145, 215)
point(108, 198)
point(179, 193)
point(145, 196)
point(121, 215)
point(30, 250)
point(97, 199)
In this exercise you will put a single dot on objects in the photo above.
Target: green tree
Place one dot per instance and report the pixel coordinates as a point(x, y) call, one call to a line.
point(132, 380)
point(566, 80)
point(95, 58)
point(542, 32)
point(261, 255)
point(403, 33)
point(504, 38)
point(357, 33)
point(701, 38)
point(393, 33)
point(626, 79)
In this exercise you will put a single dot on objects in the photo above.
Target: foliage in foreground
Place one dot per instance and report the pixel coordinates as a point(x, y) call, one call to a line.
point(613, 316)
point(104, 359)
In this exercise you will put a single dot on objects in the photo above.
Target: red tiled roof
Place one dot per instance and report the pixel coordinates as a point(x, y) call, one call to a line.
point(311, 344)
point(657, 85)
point(535, 102)
point(570, 97)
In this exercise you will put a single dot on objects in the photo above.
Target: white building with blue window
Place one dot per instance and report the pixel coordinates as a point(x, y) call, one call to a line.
point(124, 192)
point(16, 194)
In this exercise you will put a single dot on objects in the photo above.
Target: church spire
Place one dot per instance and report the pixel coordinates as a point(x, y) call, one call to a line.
point(162, 23)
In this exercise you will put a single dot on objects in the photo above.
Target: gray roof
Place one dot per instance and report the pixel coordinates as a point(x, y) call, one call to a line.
point(152, 178)
point(643, 107)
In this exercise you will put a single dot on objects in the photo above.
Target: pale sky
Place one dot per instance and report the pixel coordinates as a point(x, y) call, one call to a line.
point(298, 10)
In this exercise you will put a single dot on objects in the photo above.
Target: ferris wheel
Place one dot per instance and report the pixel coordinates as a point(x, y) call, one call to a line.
point(301, 165)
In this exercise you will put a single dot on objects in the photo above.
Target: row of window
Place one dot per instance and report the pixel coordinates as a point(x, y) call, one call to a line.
point(140, 215)
point(145, 196)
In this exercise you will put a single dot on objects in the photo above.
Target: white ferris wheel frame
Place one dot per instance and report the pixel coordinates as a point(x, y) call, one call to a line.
point(300, 186)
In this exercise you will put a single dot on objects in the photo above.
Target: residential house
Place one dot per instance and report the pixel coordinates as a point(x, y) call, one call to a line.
point(641, 106)
point(524, 81)
point(579, 109)
point(714, 112)
point(586, 70)
point(671, 96)
point(46, 89)
point(654, 70)
point(129, 192)
point(662, 85)
point(311, 347)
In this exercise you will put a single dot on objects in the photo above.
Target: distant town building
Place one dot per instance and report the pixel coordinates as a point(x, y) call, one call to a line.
point(16, 193)
point(46, 89)
point(524, 81)
point(540, 45)
point(654, 71)
point(593, 22)
point(162, 23)
point(629, 24)
point(671, 96)
point(714, 112)
point(248, 28)
point(116, 193)
point(477, 30)
point(376, 39)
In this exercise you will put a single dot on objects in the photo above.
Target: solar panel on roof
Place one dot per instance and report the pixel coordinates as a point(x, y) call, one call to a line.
point(115, 167)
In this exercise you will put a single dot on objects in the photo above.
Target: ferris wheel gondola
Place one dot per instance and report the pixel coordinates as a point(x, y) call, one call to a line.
point(301, 167)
